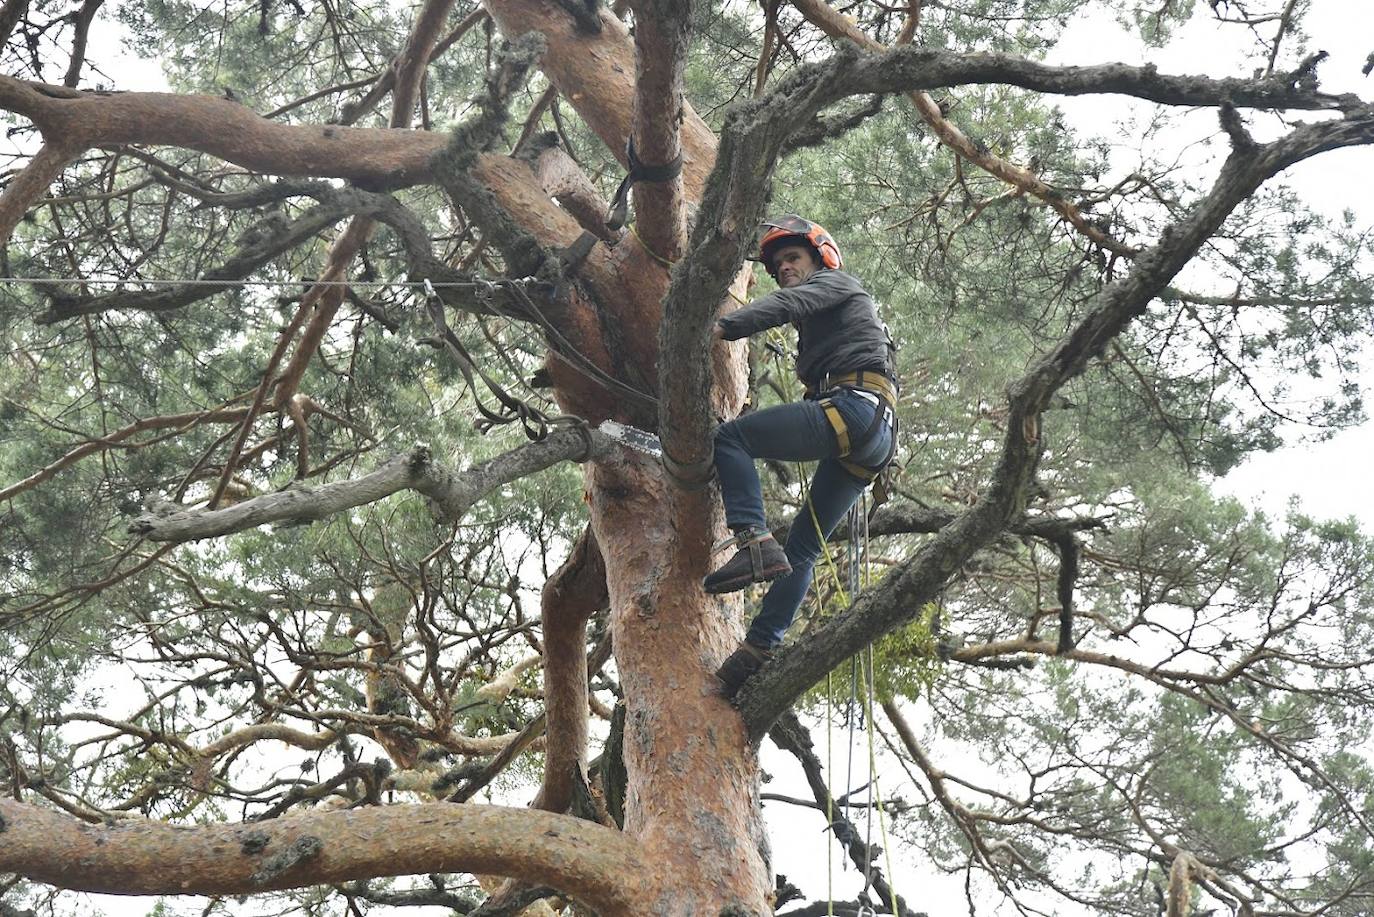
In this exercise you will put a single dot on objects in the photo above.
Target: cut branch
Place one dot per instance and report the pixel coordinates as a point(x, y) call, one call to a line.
point(565, 182)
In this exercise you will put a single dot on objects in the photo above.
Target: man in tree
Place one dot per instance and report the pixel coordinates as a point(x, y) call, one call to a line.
point(844, 422)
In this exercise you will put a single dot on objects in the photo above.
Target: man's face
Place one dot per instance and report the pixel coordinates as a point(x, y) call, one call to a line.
point(793, 264)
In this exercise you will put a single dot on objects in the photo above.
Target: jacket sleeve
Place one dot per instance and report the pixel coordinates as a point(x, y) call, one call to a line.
point(822, 290)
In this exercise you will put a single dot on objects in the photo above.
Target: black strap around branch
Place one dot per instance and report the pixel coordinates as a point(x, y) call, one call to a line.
point(639, 171)
point(689, 476)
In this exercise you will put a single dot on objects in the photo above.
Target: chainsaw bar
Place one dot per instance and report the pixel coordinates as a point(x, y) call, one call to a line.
point(632, 437)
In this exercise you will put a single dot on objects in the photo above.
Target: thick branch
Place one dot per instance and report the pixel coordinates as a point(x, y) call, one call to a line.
point(595, 72)
point(28, 186)
point(755, 132)
point(732, 206)
point(453, 492)
point(374, 157)
point(910, 68)
point(827, 127)
point(564, 181)
point(662, 32)
point(597, 865)
point(571, 596)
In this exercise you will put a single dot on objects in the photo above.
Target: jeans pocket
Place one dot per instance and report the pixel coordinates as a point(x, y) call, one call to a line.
point(858, 413)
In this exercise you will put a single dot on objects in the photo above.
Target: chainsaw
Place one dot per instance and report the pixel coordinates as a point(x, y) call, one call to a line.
point(632, 437)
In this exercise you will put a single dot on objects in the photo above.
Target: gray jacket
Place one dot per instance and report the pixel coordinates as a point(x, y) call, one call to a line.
point(838, 329)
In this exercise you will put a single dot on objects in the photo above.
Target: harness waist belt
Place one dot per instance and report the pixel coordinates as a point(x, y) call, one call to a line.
point(865, 380)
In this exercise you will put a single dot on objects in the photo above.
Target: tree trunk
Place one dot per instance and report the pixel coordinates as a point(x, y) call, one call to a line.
point(692, 804)
point(692, 801)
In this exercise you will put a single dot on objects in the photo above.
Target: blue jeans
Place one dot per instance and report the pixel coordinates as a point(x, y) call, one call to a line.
point(795, 432)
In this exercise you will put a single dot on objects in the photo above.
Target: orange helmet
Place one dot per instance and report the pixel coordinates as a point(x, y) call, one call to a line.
point(790, 229)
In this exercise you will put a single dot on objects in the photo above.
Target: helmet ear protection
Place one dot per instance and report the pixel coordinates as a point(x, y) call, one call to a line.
point(790, 229)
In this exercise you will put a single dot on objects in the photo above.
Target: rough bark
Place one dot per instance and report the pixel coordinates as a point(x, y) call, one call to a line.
point(595, 72)
point(692, 803)
point(662, 32)
point(566, 183)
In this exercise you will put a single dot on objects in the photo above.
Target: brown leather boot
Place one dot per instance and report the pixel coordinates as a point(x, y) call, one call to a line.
point(759, 559)
point(740, 666)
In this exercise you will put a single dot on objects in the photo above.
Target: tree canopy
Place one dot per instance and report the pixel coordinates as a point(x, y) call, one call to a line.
point(313, 551)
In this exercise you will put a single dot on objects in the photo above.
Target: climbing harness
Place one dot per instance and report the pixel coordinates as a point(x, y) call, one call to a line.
point(846, 589)
point(883, 393)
